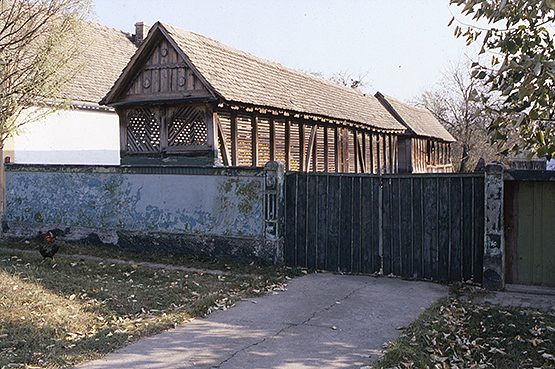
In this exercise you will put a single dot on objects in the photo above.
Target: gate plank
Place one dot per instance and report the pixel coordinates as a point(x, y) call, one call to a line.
point(479, 228)
point(334, 216)
point(405, 230)
point(345, 242)
point(301, 219)
point(443, 244)
point(386, 226)
point(290, 217)
point(429, 256)
point(467, 227)
point(357, 214)
point(366, 225)
point(456, 217)
point(395, 227)
point(417, 224)
point(311, 221)
point(375, 212)
point(322, 221)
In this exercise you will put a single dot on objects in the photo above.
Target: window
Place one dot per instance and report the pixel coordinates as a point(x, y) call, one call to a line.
point(187, 128)
point(172, 129)
point(143, 131)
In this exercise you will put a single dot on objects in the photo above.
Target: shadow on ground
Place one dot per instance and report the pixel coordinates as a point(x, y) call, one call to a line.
point(321, 321)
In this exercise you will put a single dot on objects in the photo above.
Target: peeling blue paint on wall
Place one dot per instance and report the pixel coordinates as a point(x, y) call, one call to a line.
point(188, 204)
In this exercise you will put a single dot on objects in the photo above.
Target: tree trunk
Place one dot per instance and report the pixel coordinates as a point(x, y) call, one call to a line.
point(464, 159)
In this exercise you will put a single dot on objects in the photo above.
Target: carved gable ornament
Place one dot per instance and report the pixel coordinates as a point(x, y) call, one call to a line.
point(158, 73)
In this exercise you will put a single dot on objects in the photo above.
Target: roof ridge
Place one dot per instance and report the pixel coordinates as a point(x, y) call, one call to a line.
point(266, 61)
point(96, 24)
point(405, 104)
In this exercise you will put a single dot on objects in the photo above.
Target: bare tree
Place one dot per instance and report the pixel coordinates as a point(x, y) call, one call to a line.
point(454, 102)
point(39, 54)
point(348, 79)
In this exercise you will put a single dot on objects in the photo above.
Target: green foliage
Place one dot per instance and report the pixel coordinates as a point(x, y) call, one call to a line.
point(517, 63)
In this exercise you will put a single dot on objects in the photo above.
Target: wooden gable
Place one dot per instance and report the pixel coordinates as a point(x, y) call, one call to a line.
point(158, 73)
point(164, 76)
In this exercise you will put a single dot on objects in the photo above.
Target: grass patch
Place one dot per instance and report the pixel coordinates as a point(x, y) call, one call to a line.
point(458, 334)
point(59, 313)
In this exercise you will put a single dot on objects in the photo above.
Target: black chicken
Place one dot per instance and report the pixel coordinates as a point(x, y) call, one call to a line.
point(49, 238)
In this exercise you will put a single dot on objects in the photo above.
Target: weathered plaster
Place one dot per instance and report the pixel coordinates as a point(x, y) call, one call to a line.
point(212, 204)
point(494, 262)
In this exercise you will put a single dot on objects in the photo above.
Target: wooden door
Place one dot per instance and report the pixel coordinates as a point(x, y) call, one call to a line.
point(530, 232)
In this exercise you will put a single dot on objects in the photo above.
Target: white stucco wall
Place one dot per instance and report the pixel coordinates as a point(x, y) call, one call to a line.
point(77, 136)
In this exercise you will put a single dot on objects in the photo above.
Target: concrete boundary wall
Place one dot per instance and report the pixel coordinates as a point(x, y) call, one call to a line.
point(215, 212)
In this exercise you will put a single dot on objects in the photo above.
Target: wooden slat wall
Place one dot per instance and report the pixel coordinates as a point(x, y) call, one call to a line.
point(253, 139)
point(431, 226)
point(225, 123)
point(244, 141)
point(280, 141)
point(263, 141)
point(295, 142)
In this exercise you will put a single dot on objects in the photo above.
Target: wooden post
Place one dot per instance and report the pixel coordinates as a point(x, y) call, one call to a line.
point(338, 159)
point(310, 149)
point(234, 139)
point(302, 147)
point(224, 147)
point(272, 138)
point(356, 151)
point(211, 130)
point(361, 167)
point(122, 132)
point(395, 154)
point(164, 127)
point(288, 145)
point(254, 126)
point(326, 149)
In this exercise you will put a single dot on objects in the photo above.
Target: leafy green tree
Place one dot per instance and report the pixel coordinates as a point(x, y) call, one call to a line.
point(517, 63)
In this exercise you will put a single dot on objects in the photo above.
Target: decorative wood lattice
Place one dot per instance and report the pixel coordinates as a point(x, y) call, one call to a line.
point(143, 131)
point(188, 128)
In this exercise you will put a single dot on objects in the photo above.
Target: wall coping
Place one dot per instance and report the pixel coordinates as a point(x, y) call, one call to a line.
point(123, 169)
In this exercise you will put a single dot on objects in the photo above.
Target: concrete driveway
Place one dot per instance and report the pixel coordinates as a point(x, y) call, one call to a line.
point(322, 321)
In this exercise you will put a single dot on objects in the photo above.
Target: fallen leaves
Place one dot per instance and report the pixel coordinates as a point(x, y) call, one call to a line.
point(99, 306)
point(457, 334)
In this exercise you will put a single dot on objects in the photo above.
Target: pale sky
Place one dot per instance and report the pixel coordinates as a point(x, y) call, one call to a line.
point(404, 45)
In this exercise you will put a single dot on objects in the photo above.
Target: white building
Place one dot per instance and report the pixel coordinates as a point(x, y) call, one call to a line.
point(87, 133)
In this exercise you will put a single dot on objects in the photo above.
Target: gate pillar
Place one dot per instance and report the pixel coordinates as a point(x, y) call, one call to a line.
point(494, 243)
point(274, 208)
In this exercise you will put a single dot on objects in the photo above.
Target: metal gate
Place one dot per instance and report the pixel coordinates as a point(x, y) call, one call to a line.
point(414, 226)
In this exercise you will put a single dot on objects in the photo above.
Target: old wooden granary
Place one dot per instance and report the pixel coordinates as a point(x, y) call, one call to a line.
point(425, 146)
point(185, 99)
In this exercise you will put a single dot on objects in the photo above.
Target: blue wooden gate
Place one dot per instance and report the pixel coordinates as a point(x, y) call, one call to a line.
point(416, 226)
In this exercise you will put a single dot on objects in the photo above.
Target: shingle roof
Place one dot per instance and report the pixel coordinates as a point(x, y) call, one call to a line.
point(106, 52)
point(239, 77)
point(420, 121)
